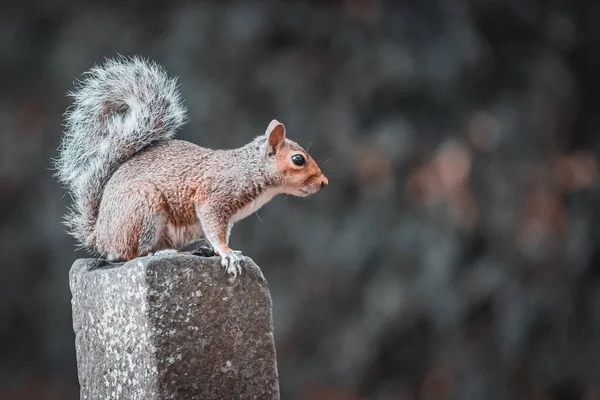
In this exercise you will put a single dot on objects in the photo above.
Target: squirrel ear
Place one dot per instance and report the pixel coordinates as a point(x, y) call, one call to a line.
point(276, 134)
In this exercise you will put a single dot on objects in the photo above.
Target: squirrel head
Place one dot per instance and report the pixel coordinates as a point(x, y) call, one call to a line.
point(299, 172)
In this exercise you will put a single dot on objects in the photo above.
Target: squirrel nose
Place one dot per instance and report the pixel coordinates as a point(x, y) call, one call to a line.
point(324, 182)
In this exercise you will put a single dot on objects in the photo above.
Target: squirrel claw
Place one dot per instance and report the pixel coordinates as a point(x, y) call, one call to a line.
point(232, 263)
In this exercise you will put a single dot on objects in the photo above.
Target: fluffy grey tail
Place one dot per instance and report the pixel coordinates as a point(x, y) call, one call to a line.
point(119, 108)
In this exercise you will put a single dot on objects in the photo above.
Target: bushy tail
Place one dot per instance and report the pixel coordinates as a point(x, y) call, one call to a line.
point(119, 108)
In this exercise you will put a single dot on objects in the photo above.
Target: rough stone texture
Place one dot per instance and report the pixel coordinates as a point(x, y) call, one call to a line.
point(172, 327)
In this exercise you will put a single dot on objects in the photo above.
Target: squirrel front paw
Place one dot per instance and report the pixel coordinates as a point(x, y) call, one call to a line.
point(232, 262)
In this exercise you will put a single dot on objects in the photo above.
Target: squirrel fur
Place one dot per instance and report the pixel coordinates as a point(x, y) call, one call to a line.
point(137, 191)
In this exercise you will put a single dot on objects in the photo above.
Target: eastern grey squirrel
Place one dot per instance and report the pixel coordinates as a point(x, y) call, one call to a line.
point(137, 191)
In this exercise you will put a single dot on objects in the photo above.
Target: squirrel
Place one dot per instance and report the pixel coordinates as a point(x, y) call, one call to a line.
point(137, 191)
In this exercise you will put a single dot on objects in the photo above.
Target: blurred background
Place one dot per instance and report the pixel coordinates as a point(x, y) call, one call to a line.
point(455, 253)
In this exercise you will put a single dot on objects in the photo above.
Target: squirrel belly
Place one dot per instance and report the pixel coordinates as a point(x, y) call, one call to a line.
point(136, 190)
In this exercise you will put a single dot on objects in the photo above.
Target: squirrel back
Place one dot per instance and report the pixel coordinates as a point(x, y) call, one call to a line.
point(119, 108)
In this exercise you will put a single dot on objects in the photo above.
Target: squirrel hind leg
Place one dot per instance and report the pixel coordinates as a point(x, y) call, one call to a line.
point(131, 221)
point(152, 238)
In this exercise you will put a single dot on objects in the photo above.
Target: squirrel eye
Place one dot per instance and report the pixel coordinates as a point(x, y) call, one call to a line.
point(298, 160)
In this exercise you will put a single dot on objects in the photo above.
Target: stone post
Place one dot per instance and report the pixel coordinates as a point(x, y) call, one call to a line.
point(172, 327)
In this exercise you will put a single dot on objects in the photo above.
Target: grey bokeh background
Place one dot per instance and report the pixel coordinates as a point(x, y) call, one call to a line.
point(454, 254)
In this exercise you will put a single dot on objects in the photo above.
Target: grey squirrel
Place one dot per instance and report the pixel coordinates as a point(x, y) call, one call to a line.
point(137, 191)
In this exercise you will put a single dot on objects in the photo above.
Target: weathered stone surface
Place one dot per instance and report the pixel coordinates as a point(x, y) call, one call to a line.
point(172, 327)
